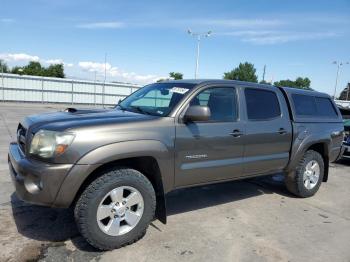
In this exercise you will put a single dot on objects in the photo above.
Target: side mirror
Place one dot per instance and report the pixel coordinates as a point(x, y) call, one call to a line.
point(197, 114)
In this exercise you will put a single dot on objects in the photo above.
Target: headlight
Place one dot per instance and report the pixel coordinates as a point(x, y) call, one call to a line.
point(47, 143)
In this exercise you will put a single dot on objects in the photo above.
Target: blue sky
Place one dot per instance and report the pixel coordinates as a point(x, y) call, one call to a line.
point(145, 40)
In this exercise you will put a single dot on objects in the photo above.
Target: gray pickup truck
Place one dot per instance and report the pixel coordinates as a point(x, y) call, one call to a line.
point(115, 166)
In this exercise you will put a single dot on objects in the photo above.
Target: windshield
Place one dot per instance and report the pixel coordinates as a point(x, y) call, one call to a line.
point(156, 99)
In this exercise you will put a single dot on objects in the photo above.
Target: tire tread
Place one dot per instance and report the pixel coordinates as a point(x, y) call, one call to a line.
point(90, 192)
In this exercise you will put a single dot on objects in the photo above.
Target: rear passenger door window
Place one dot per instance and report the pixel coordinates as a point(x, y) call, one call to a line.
point(261, 104)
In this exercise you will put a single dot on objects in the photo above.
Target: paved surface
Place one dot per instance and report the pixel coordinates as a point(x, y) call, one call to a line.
point(251, 220)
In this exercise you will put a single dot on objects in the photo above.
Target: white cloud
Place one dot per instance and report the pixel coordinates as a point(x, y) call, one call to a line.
point(284, 37)
point(54, 61)
point(7, 20)
point(19, 57)
point(117, 73)
point(102, 25)
point(22, 57)
point(239, 23)
point(269, 37)
point(58, 61)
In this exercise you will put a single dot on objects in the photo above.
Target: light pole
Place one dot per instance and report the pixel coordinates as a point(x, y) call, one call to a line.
point(339, 64)
point(198, 36)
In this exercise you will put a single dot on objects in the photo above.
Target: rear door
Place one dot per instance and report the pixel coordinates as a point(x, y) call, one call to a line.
point(268, 134)
point(213, 150)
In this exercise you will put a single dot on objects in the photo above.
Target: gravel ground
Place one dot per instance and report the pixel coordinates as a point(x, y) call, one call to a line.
point(249, 220)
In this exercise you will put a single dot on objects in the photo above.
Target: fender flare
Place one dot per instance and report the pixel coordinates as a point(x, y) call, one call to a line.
point(300, 146)
point(98, 157)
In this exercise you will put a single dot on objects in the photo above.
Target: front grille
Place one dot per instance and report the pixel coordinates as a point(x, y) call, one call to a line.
point(21, 137)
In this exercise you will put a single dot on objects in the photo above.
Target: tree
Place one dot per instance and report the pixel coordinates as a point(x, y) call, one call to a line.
point(345, 94)
point(172, 75)
point(33, 68)
point(56, 70)
point(302, 83)
point(244, 72)
point(3, 67)
point(36, 69)
point(17, 70)
point(264, 82)
point(176, 75)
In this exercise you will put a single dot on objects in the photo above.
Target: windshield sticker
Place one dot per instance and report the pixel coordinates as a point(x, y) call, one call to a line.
point(160, 112)
point(179, 90)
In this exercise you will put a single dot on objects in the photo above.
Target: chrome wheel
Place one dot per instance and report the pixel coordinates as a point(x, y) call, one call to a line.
point(311, 174)
point(120, 211)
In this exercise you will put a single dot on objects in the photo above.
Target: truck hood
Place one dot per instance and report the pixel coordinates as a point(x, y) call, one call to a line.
point(71, 118)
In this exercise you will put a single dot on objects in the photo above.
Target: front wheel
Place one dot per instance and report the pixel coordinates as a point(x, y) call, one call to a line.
point(115, 209)
point(308, 176)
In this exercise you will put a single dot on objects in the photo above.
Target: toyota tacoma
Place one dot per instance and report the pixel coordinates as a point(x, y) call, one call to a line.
point(115, 166)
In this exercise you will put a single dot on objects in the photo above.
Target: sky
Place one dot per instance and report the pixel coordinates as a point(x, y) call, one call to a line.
point(145, 40)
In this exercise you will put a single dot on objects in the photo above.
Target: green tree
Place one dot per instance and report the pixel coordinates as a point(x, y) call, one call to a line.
point(33, 68)
point(244, 72)
point(17, 70)
point(56, 70)
point(176, 75)
point(302, 83)
point(3, 67)
point(36, 69)
point(264, 82)
point(345, 94)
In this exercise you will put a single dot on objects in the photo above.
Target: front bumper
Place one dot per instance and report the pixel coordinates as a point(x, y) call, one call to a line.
point(35, 181)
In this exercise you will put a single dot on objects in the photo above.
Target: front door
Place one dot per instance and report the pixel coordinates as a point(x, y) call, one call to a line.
point(210, 151)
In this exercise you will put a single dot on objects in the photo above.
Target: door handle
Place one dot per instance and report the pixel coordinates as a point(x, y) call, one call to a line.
point(236, 133)
point(282, 131)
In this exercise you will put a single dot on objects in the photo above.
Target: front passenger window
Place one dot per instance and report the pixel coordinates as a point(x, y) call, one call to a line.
point(222, 102)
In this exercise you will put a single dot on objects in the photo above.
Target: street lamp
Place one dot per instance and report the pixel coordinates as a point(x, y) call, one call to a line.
point(198, 36)
point(339, 64)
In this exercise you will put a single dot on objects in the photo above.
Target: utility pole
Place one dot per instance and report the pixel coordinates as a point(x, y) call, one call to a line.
point(339, 65)
point(198, 36)
point(264, 73)
point(2, 80)
point(104, 82)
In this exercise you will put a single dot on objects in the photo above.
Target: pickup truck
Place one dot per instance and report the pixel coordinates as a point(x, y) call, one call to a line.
point(115, 166)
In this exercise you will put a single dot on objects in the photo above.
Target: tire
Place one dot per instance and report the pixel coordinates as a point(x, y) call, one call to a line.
point(295, 180)
point(99, 195)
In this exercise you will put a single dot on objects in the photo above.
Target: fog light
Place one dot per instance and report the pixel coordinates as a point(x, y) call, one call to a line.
point(32, 184)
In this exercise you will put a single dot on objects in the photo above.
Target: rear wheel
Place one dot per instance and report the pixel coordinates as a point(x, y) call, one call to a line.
point(116, 209)
point(308, 176)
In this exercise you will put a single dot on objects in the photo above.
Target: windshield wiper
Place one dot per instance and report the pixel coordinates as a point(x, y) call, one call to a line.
point(122, 108)
point(140, 110)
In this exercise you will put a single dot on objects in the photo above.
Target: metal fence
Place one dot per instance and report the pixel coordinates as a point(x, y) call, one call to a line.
point(57, 90)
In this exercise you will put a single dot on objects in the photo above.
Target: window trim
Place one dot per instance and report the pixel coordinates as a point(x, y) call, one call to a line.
point(318, 116)
point(265, 119)
point(204, 88)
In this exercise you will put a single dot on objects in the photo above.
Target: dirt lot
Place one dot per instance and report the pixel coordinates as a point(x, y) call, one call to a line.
point(250, 220)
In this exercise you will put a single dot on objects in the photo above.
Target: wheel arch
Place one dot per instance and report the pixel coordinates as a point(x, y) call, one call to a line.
point(147, 165)
point(150, 157)
point(320, 145)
